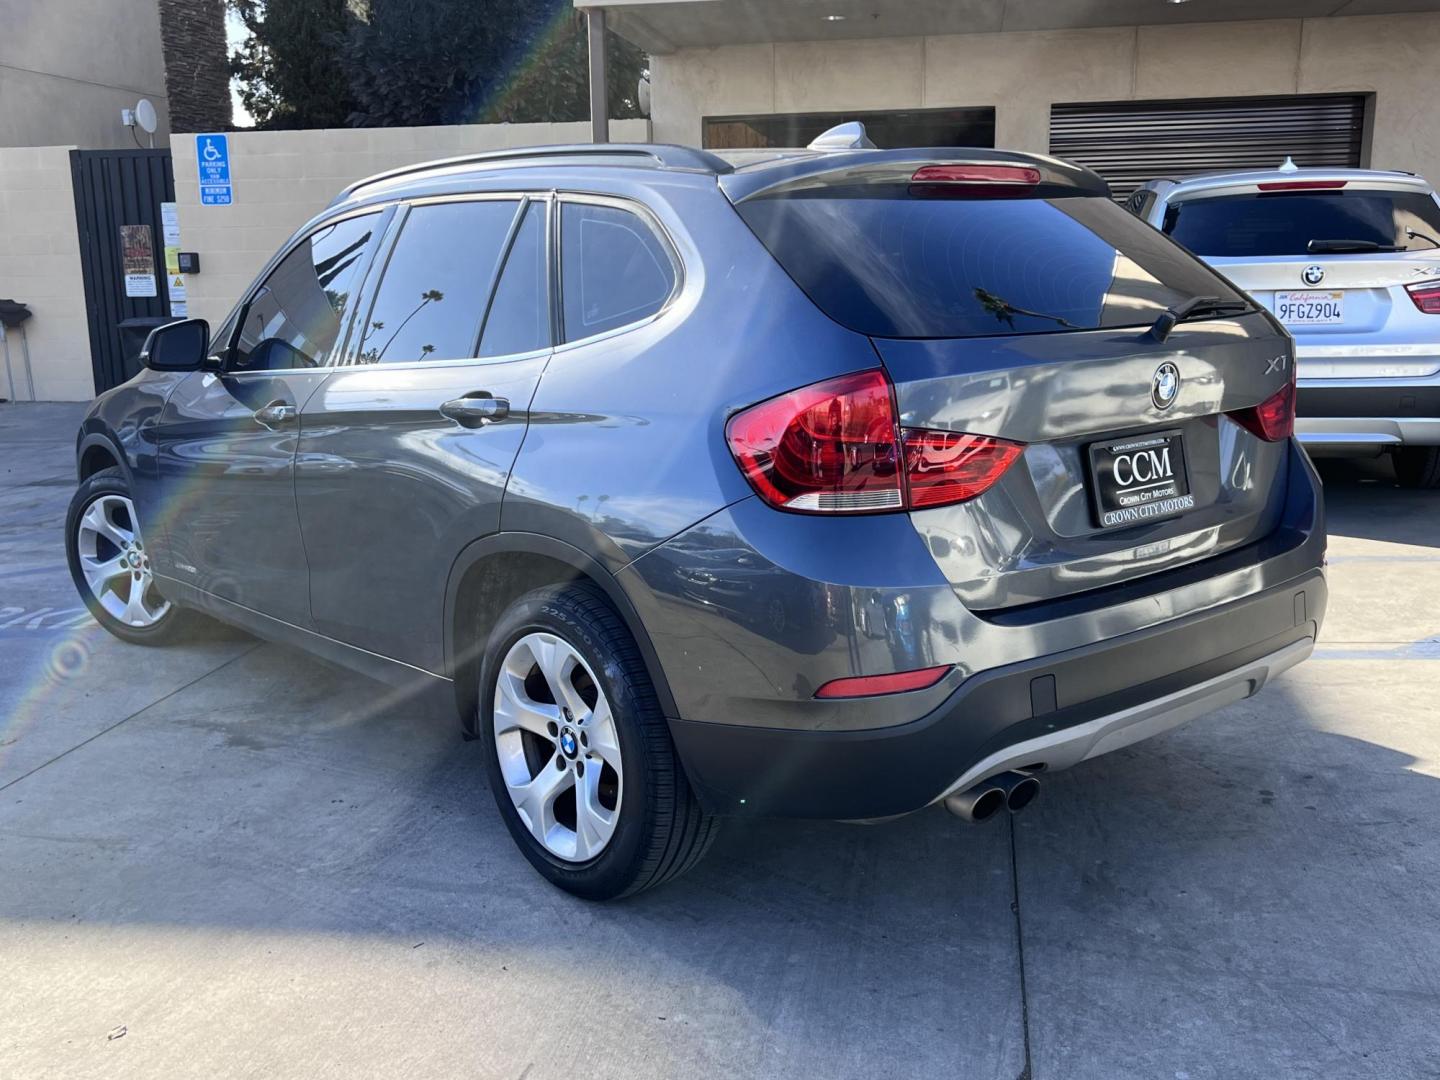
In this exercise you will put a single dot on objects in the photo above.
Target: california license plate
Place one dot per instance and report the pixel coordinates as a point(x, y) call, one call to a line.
point(1310, 307)
point(1138, 479)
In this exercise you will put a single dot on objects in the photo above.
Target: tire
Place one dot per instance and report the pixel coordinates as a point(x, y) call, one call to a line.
point(1418, 466)
point(108, 488)
point(659, 828)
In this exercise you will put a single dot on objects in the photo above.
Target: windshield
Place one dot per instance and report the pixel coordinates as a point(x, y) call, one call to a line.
point(893, 264)
point(1286, 222)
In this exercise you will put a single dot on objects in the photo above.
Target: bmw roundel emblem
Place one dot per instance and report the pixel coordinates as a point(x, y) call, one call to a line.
point(568, 744)
point(1165, 387)
point(1312, 274)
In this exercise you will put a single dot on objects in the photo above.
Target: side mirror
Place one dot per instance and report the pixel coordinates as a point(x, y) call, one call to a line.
point(177, 346)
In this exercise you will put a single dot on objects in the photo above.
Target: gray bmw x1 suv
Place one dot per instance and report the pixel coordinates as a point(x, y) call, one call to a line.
point(829, 484)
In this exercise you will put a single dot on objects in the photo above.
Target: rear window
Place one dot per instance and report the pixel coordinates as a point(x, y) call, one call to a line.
point(1285, 222)
point(892, 264)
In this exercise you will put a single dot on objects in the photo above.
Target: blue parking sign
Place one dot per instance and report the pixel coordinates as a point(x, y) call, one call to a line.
point(212, 161)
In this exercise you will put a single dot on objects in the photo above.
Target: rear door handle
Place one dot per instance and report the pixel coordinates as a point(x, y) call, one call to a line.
point(476, 410)
point(277, 412)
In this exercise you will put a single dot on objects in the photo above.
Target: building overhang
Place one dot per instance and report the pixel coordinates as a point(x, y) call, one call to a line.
point(662, 26)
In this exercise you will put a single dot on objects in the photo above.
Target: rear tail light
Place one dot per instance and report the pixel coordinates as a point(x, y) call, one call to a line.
point(835, 447)
point(947, 466)
point(870, 685)
point(1274, 418)
point(1426, 295)
point(827, 447)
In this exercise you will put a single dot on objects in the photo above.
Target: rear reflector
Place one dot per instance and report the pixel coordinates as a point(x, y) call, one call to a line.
point(1301, 185)
point(835, 447)
point(1426, 295)
point(976, 174)
point(871, 685)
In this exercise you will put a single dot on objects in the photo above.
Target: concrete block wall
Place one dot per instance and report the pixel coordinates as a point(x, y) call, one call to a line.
point(283, 178)
point(1021, 74)
point(40, 266)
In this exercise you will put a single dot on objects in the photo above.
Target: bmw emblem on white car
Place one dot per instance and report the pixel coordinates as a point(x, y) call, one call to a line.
point(1165, 387)
point(1312, 274)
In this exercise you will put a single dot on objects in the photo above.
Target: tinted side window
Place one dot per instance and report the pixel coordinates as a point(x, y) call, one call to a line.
point(432, 298)
point(614, 269)
point(294, 320)
point(519, 319)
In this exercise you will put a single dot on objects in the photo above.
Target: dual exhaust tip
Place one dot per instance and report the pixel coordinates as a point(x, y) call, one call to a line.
point(1011, 791)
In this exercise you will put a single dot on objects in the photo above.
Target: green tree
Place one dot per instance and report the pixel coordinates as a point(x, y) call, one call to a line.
point(554, 84)
point(414, 62)
point(398, 63)
point(289, 68)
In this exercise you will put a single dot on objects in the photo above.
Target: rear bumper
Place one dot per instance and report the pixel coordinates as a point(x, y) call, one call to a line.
point(1069, 746)
point(1054, 710)
point(1358, 418)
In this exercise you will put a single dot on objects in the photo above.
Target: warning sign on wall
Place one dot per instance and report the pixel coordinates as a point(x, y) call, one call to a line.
point(137, 252)
point(174, 280)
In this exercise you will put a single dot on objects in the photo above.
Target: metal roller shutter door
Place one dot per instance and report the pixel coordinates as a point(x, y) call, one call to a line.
point(1131, 142)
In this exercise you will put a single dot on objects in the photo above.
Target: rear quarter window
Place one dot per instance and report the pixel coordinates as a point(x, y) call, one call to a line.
point(891, 264)
point(615, 270)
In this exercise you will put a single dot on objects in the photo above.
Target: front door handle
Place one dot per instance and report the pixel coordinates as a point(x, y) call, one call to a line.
point(277, 412)
point(476, 410)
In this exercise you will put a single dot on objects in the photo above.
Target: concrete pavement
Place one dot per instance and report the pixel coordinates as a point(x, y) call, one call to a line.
point(226, 858)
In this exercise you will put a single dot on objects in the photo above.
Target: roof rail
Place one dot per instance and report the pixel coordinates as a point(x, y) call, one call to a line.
point(663, 155)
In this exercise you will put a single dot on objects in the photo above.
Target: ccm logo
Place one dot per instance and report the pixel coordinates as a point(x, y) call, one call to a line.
point(1142, 467)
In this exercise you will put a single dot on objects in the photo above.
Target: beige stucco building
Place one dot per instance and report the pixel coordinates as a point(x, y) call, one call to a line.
point(1074, 77)
point(68, 67)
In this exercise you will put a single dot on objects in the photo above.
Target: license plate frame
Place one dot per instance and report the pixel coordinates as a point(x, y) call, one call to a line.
point(1296, 307)
point(1160, 492)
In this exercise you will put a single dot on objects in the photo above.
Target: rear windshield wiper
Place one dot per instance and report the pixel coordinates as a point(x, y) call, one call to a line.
point(1416, 234)
point(1005, 311)
point(1336, 247)
point(1194, 308)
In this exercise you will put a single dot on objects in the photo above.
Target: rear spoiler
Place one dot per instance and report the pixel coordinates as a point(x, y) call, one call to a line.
point(867, 168)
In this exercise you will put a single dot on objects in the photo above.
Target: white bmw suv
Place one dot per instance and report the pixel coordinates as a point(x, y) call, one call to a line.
point(1349, 261)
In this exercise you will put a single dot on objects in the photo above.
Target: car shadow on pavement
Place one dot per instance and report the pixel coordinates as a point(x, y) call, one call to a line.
point(282, 799)
point(1249, 895)
point(1363, 501)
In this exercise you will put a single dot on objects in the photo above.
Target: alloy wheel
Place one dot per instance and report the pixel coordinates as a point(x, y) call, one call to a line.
point(116, 565)
point(558, 748)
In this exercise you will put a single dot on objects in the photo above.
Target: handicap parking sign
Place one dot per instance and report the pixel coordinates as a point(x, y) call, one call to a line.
point(212, 160)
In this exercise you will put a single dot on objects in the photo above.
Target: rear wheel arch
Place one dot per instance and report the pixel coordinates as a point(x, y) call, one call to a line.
point(492, 573)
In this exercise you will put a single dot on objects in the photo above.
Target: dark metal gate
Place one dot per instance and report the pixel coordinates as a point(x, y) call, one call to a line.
point(117, 201)
point(1131, 142)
